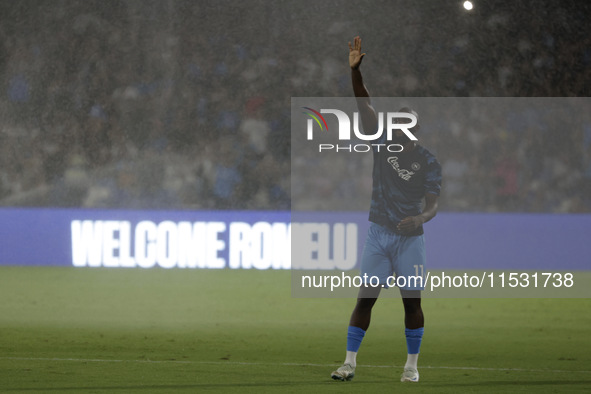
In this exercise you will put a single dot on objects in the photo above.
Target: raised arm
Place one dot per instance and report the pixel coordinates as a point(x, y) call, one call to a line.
point(366, 110)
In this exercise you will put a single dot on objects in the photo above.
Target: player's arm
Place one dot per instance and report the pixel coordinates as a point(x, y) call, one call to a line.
point(366, 110)
point(411, 223)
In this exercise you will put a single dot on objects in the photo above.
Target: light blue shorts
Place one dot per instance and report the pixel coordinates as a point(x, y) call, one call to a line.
point(397, 260)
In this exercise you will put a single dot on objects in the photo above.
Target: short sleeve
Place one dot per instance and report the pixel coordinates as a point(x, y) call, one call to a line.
point(433, 177)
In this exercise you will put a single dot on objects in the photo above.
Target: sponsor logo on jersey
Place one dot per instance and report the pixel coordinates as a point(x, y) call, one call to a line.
point(402, 173)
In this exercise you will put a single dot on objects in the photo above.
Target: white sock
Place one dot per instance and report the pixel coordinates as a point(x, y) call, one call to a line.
point(351, 358)
point(411, 361)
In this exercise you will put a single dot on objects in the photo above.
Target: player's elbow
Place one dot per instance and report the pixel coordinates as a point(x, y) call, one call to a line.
point(431, 205)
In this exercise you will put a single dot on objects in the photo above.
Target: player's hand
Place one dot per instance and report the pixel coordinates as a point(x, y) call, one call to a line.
point(409, 224)
point(355, 55)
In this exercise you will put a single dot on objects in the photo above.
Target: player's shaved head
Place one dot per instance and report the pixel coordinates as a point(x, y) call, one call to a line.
point(409, 110)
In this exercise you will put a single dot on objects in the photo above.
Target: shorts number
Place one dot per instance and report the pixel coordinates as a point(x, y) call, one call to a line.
point(419, 267)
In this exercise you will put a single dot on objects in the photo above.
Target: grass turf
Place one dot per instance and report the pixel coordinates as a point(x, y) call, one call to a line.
point(144, 331)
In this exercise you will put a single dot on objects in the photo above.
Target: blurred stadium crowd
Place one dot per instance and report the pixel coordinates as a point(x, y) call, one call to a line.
point(186, 105)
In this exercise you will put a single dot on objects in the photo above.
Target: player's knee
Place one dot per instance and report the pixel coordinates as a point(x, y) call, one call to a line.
point(365, 304)
point(413, 311)
point(412, 306)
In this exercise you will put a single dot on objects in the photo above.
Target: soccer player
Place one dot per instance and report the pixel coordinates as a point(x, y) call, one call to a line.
point(395, 243)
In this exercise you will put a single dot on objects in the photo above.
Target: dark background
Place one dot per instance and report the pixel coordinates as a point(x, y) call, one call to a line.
point(186, 104)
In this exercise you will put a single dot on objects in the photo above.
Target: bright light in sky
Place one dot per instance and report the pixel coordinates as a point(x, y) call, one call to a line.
point(468, 5)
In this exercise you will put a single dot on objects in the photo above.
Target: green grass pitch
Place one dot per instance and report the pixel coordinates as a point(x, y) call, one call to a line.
point(157, 331)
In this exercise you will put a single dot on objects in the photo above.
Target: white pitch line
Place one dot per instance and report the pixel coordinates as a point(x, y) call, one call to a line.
point(95, 360)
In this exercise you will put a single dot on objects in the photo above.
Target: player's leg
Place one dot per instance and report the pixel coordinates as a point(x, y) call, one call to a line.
point(358, 325)
point(359, 322)
point(366, 299)
point(374, 262)
point(413, 312)
point(410, 265)
point(414, 323)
